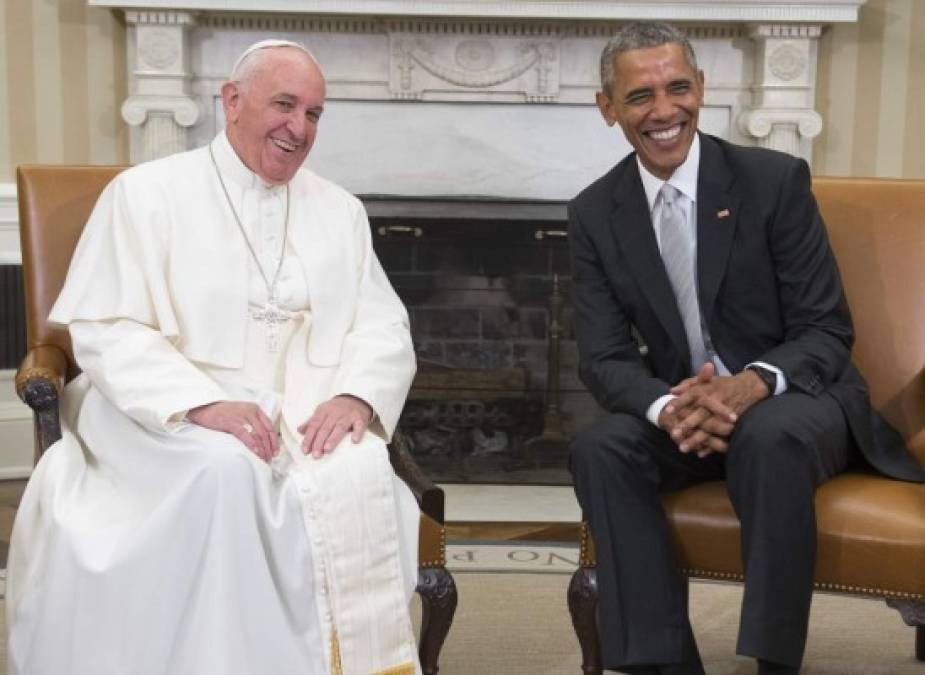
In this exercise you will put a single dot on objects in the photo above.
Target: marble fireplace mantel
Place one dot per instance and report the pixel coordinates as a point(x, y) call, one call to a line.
point(674, 10)
point(470, 97)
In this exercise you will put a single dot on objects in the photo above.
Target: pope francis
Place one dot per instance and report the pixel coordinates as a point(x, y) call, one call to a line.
point(221, 501)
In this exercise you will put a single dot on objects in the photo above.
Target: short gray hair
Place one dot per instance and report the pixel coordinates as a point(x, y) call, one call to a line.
point(642, 35)
point(249, 60)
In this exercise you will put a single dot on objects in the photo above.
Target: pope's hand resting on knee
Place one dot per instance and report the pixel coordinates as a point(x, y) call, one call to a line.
point(243, 420)
point(331, 421)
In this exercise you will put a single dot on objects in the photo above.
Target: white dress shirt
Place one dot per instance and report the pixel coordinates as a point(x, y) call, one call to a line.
point(684, 179)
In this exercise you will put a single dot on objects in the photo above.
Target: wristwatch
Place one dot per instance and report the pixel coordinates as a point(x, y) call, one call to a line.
point(769, 377)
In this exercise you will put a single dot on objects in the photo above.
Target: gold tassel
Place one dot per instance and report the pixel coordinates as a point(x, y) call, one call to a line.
point(402, 669)
point(336, 667)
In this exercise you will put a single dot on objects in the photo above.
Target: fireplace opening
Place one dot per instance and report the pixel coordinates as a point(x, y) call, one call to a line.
point(486, 283)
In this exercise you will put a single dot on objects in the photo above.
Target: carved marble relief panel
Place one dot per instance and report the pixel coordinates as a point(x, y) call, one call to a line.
point(439, 67)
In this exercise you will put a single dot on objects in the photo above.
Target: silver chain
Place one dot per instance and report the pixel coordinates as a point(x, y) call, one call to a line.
point(271, 287)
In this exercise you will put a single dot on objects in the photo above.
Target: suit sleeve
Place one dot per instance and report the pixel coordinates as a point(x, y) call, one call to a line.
point(818, 332)
point(610, 364)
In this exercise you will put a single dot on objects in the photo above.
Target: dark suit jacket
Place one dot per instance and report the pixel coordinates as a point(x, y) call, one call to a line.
point(768, 286)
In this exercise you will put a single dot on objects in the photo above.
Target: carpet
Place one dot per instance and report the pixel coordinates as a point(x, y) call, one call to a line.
point(512, 619)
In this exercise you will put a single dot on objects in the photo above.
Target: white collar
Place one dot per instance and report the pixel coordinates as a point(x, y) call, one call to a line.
point(231, 166)
point(684, 177)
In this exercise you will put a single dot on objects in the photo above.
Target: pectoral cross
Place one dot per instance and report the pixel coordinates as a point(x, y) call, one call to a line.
point(272, 316)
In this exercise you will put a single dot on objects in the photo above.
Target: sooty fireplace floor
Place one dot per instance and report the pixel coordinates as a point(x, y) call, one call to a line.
point(474, 426)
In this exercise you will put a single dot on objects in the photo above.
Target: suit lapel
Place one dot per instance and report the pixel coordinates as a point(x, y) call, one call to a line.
point(631, 225)
point(717, 219)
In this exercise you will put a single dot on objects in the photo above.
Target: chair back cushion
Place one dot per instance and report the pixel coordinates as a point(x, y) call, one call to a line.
point(54, 204)
point(877, 230)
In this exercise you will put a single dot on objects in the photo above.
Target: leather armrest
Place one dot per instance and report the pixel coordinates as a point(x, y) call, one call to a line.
point(430, 497)
point(39, 383)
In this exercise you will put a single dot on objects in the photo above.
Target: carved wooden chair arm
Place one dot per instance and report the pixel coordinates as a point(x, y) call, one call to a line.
point(39, 383)
point(45, 361)
point(430, 497)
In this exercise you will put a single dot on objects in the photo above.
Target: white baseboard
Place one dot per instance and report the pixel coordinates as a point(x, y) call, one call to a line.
point(16, 436)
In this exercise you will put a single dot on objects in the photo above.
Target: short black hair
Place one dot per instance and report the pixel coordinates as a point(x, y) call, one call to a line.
point(641, 35)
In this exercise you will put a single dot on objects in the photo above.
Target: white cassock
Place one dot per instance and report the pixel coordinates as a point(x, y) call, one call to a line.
point(147, 545)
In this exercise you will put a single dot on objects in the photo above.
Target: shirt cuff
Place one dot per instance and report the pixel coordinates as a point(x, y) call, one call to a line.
point(781, 386)
point(655, 409)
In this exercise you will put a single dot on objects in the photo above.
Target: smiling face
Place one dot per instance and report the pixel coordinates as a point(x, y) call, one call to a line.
point(655, 97)
point(272, 114)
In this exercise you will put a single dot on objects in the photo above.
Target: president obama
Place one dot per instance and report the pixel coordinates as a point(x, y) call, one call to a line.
point(718, 258)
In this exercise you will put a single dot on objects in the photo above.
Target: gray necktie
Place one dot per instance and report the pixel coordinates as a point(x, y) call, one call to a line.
point(679, 262)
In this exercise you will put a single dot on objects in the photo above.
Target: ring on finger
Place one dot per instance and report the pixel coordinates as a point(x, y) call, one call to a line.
point(248, 427)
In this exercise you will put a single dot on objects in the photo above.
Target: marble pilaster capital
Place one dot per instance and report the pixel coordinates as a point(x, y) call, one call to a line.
point(184, 109)
point(759, 123)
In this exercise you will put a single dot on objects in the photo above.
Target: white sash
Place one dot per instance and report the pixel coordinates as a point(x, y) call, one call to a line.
point(350, 515)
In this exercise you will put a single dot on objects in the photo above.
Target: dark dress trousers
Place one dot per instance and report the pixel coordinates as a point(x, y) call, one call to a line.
point(769, 290)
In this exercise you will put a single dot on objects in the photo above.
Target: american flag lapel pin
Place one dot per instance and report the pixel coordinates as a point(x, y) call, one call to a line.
point(724, 213)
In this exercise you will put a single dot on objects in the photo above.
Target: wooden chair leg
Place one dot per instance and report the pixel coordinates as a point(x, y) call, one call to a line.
point(913, 613)
point(920, 643)
point(438, 605)
point(582, 604)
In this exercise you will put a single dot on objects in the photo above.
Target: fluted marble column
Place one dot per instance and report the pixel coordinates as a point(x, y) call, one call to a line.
point(782, 115)
point(160, 107)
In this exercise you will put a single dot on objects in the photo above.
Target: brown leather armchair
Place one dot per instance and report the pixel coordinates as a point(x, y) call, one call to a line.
point(871, 529)
point(54, 204)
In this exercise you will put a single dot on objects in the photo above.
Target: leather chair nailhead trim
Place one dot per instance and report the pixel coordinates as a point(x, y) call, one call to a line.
point(586, 557)
point(819, 585)
point(441, 561)
point(586, 560)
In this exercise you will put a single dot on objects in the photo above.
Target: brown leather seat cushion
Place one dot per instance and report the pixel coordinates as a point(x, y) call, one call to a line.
point(871, 534)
